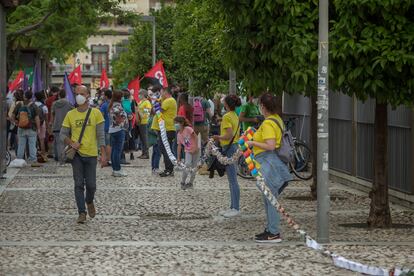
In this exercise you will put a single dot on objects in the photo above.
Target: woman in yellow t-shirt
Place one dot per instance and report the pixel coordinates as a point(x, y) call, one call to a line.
point(275, 173)
point(230, 128)
point(143, 113)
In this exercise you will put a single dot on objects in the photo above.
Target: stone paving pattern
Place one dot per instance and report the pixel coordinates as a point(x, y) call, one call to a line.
point(146, 225)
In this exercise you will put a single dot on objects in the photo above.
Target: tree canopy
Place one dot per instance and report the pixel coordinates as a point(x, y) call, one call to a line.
point(188, 41)
point(372, 50)
point(55, 28)
point(272, 44)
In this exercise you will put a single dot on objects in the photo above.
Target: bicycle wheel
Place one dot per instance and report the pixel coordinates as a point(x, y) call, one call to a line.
point(242, 169)
point(301, 165)
point(8, 158)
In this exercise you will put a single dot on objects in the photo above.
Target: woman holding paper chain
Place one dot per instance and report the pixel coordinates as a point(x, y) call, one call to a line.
point(275, 173)
point(229, 135)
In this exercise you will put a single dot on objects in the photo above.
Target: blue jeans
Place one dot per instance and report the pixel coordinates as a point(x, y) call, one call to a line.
point(156, 156)
point(84, 175)
point(117, 145)
point(27, 136)
point(232, 178)
point(276, 175)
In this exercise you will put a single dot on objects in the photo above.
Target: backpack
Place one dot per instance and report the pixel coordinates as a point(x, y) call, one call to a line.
point(25, 117)
point(198, 112)
point(285, 151)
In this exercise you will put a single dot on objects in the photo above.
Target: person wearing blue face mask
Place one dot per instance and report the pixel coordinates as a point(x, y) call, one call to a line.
point(187, 138)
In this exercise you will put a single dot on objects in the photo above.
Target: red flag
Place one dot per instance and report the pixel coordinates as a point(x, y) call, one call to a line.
point(104, 80)
point(157, 73)
point(18, 82)
point(133, 87)
point(76, 76)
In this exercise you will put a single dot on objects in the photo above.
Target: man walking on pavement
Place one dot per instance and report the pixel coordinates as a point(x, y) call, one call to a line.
point(85, 161)
point(60, 108)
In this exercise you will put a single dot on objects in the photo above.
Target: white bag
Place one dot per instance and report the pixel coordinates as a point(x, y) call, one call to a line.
point(18, 163)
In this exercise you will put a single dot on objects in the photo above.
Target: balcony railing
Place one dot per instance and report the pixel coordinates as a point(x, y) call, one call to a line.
point(87, 69)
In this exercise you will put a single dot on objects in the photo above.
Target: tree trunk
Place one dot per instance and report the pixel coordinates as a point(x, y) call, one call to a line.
point(379, 213)
point(314, 144)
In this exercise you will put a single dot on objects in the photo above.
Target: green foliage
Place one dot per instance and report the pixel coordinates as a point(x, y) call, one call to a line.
point(272, 44)
point(372, 49)
point(63, 25)
point(188, 41)
point(197, 48)
point(137, 59)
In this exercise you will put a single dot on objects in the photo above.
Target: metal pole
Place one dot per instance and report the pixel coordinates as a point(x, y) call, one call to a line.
point(3, 82)
point(323, 127)
point(154, 53)
point(232, 80)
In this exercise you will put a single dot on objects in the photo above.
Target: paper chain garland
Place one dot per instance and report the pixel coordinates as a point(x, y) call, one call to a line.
point(338, 261)
point(253, 166)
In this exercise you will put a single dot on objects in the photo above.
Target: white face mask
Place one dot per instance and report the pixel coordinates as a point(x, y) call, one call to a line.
point(80, 100)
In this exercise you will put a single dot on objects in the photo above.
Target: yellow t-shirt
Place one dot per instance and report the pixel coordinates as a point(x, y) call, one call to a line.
point(74, 120)
point(230, 120)
point(169, 112)
point(268, 130)
point(144, 109)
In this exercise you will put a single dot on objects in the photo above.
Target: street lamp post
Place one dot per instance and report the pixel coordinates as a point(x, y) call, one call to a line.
point(323, 127)
point(147, 18)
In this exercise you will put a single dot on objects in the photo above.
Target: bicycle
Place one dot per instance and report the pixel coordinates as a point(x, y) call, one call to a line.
point(300, 166)
point(7, 158)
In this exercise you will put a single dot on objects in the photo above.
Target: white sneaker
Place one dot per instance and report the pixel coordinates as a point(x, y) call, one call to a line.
point(156, 171)
point(231, 213)
point(222, 212)
point(119, 174)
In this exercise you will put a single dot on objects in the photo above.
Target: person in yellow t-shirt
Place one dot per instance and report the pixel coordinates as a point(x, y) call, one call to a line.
point(143, 113)
point(229, 128)
point(168, 112)
point(85, 161)
point(275, 173)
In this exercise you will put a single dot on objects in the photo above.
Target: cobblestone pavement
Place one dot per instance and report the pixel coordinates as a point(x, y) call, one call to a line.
point(146, 225)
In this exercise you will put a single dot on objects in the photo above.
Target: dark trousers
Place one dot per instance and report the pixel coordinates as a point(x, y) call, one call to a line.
point(143, 137)
point(84, 174)
point(171, 136)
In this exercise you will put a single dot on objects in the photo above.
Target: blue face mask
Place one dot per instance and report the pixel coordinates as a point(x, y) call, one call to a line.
point(177, 127)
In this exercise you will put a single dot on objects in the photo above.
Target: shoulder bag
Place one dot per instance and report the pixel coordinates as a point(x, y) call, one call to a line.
point(69, 152)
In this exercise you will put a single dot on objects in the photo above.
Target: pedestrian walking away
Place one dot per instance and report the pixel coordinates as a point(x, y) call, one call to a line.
point(60, 108)
point(117, 130)
point(85, 161)
point(275, 173)
point(26, 116)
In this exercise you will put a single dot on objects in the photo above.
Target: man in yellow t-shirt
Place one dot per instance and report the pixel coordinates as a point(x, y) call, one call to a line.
point(144, 110)
point(85, 161)
point(168, 113)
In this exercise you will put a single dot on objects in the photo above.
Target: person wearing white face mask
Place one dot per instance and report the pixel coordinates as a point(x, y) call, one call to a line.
point(85, 160)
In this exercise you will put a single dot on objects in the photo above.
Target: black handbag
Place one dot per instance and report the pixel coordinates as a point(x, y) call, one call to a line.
point(215, 165)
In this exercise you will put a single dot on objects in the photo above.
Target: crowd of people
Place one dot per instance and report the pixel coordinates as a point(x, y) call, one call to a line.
point(114, 125)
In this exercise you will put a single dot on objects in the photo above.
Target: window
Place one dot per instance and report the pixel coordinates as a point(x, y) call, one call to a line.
point(100, 57)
